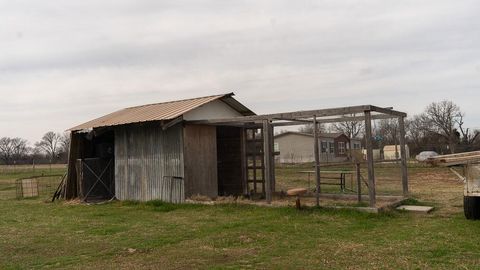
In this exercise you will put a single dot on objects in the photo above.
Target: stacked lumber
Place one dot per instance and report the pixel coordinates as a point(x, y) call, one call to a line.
point(455, 159)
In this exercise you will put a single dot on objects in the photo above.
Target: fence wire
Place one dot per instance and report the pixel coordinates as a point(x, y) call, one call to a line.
point(42, 186)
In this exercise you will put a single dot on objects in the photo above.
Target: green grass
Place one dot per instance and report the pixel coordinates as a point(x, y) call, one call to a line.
point(388, 177)
point(129, 234)
point(40, 235)
point(9, 174)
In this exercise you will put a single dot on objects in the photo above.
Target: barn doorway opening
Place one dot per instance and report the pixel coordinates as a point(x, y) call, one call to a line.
point(95, 169)
point(229, 161)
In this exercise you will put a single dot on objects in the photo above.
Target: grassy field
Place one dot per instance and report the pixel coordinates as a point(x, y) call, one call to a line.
point(8, 175)
point(388, 178)
point(155, 235)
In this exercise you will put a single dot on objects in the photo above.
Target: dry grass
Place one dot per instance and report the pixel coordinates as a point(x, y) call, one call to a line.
point(155, 235)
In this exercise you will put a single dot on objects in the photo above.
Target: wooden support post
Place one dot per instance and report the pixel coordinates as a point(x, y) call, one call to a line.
point(80, 180)
point(359, 182)
point(254, 157)
point(298, 205)
point(75, 152)
point(272, 159)
point(370, 161)
point(267, 156)
point(243, 138)
point(317, 160)
point(403, 153)
point(262, 163)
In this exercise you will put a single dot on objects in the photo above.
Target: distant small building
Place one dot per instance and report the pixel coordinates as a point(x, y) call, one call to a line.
point(393, 152)
point(298, 147)
point(377, 155)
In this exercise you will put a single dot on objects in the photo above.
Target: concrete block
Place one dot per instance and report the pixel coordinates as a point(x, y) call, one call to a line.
point(415, 208)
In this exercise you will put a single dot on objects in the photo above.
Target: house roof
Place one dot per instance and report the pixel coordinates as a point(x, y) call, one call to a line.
point(321, 135)
point(160, 111)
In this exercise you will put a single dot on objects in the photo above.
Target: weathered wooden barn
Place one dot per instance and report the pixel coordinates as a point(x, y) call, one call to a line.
point(152, 152)
point(210, 146)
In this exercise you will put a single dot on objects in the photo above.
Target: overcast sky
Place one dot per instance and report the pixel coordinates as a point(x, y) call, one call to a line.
point(65, 62)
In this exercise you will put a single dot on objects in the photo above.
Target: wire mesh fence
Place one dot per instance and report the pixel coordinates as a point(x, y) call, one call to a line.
point(31, 169)
point(341, 179)
point(42, 186)
point(7, 189)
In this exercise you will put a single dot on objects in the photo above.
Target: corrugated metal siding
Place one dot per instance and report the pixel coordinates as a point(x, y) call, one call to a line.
point(146, 158)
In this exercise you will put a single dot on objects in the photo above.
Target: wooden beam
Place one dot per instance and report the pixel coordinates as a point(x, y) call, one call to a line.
point(244, 161)
point(403, 153)
point(335, 120)
point(388, 111)
point(171, 123)
point(290, 115)
point(289, 123)
point(267, 156)
point(370, 162)
point(295, 120)
point(359, 182)
point(317, 160)
point(272, 158)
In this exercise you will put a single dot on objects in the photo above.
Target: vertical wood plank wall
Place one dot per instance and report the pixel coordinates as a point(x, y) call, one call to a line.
point(79, 149)
point(200, 148)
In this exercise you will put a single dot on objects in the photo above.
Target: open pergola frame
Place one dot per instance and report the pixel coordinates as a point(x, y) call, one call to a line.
point(366, 113)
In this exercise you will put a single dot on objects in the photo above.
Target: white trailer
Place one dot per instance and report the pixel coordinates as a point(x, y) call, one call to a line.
point(469, 164)
point(471, 193)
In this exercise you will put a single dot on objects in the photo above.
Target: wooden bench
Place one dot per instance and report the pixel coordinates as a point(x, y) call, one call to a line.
point(342, 176)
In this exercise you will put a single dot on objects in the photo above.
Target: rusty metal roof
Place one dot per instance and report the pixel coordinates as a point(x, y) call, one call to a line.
point(160, 111)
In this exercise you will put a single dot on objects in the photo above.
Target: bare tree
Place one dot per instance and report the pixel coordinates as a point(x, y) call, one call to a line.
point(20, 148)
point(417, 130)
point(350, 128)
point(308, 128)
point(468, 138)
point(444, 116)
point(389, 129)
point(50, 144)
point(13, 149)
point(65, 143)
point(6, 150)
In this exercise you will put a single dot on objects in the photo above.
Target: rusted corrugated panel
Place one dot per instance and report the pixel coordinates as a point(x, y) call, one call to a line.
point(158, 112)
point(146, 158)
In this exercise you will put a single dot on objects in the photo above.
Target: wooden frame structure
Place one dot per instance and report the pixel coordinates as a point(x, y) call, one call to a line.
point(267, 122)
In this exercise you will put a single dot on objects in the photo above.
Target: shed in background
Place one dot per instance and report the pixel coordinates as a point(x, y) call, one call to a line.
point(391, 152)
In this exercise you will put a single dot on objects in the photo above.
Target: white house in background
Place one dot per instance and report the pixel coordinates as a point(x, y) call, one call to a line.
point(298, 147)
point(393, 152)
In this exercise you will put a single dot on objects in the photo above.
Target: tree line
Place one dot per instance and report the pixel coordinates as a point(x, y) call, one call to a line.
point(440, 128)
point(52, 148)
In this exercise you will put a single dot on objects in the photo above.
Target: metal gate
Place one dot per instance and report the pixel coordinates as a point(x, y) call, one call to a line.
point(95, 179)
